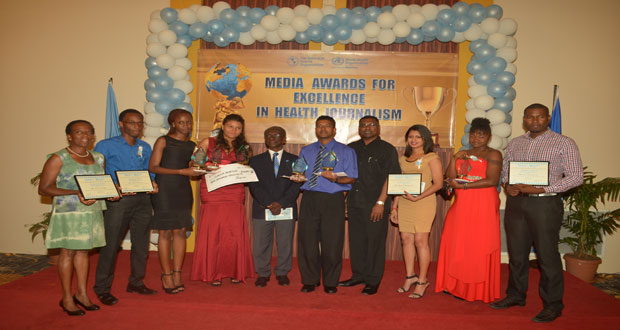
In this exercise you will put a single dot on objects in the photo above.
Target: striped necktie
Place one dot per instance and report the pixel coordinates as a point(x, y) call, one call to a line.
point(314, 179)
point(276, 163)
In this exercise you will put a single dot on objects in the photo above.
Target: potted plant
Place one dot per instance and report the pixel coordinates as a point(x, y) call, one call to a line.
point(40, 228)
point(587, 224)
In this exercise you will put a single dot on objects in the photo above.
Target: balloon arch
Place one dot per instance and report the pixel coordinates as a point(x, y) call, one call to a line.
point(492, 43)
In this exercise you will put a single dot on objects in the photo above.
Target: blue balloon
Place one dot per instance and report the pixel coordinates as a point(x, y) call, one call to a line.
point(372, 13)
point(256, 14)
point(164, 107)
point(503, 104)
point(175, 95)
point(495, 64)
point(496, 89)
point(485, 52)
point(511, 93)
point(430, 28)
point(184, 40)
point(446, 16)
point(460, 8)
point(477, 13)
point(428, 38)
point(461, 23)
point(400, 40)
point(302, 37)
point(387, 9)
point(415, 37)
point(149, 84)
point(242, 24)
point(329, 22)
point(508, 118)
point(216, 26)
point(169, 15)
point(357, 21)
point(484, 77)
point(465, 147)
point(156, 72)
point(343, 15)
point(184, 106)
point(243, 11)
point(494, 11)
point(445, 34)
point(476, 44)
point(272, 10)
point(221, 41)
point(229, 16)
point(330, 38)
point(197, 30)
point(150, 62)
point(209, 36)
point(343, 32)
point(179, 28)
point(475, 67)
point(230, 35)
point(465, 140)
point(315, 32)
point(506, 78)
point(467, 128)
point(164, 82)
point(154, 95)
point(359, 10)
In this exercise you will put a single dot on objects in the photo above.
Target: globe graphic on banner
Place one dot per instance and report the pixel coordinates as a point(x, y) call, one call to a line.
point(229, 84)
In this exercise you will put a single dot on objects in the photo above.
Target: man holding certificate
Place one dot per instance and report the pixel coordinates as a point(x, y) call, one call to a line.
point(125, 153)
point(534, 208)
point(332, 168)
point(274, 207)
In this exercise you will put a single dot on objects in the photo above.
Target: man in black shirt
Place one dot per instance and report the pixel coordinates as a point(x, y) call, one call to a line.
point(369, 206)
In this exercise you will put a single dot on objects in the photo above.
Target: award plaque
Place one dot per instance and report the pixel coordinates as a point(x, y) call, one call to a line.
point(299, 168)
point(532, 173)
point(134, 181)
point(399, 183)
point(96, 186)
point(329, 161)
point(285, 214)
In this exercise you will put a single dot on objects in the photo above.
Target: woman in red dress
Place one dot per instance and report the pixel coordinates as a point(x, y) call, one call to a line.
point(222, 239)
point(469, 254)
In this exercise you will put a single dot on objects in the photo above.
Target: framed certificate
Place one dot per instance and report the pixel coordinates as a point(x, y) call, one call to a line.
point(285, 214)
point(96, 186)
point(134, 181)
point(532, 173)
point(399, 183)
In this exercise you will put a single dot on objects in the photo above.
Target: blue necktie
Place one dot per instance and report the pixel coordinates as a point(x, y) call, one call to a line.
point(276, 163)
point(317, 167)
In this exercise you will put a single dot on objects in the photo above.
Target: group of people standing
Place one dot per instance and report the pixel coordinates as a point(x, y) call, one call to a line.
point(355, 188)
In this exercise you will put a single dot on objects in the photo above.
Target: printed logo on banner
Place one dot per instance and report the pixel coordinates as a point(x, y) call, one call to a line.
point(337, 61)
point(292, 61)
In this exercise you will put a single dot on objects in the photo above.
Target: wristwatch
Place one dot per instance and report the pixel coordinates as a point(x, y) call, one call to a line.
point(380, 202)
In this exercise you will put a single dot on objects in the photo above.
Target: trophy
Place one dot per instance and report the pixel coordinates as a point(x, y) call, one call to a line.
point(428, 101)
point(243, 154)
point(216, 158)
point(299, 168)
point(200, 158)
point(329, 161)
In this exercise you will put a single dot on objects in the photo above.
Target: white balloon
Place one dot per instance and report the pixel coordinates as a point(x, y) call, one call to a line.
point(205, 14)
point(469, 105)
point(511, 42)
point(386, 37)
point(315, 15)
point(151, 141)
point(155, 49)
point(177, 73)
point(329, 10)
point(484, 36)
point(286, 32)
point(371, 40)
point(152, 38)
point(195, 7)
point(187, 77)
point(300, 24)
point(273, 37)
point(415, 8)
point(458, 37)
point(442, 7)
point(258, 32)
point(188, 16)
point(401, 29)
point(510, 67)
point(219, 6)
point(245, 38)
point(285, 15)
point(177, 51)
point(489, 25)
point(154, 119)
point(184, 85)
point(472, 81)
point(473, 33)
point(508, 26)
point(386, 20)
point(157, 25)
point(401, 12)
point(372, 30)
point(497, 40)
point(429, 11)
point(301, 10)
point(270, 23)
point(495, 142)
point(344, 42)
point(152, 131)
point(184, 62)
point(496, 116)
point(416, 20)
point(475, 91)
point(156, 14)
point(358, 37)
point(165, 61)
point(167, 37)
point(149, 107)
point(473, 114)
point(484, 102)
point(187, 99)
point(509, 54)
point(504, 144)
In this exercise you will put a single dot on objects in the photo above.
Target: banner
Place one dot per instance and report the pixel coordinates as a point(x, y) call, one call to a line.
point(291, 88)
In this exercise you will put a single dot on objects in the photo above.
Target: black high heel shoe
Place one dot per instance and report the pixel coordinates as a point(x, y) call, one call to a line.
point(91, 308)
point(78, 312)
point(168, 290)
point(180, 287)
point(417, 295)
point(402, 289)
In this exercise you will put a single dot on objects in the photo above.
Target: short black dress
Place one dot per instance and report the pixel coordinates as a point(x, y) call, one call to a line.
point(173, 203)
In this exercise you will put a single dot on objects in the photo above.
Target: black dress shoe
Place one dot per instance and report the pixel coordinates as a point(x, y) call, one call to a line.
point(351, 282)
point(308, 287)
point(370, 289)
point(141, 289)
point(283, 280)
point(330, 289)
point(91, 308)
point(261, 282)
point(78, 312)
point(546, 315)
point(107, 299)
point(507, 303)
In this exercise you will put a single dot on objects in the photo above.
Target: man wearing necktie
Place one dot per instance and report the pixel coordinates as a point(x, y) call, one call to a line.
point(273, 195)
point(322, 208)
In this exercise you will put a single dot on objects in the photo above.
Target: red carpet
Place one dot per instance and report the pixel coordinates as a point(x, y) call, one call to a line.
point(32, 303)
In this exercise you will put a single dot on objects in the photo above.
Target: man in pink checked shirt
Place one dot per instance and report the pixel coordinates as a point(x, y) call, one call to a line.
point(535, 213)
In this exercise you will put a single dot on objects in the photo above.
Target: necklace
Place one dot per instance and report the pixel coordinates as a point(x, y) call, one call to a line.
point(75, 153)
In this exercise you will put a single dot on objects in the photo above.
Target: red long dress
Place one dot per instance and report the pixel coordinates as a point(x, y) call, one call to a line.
point(469, 254)
point(222, 240)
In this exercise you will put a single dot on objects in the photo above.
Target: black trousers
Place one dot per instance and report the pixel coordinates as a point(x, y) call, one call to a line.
point(321, 222)
point(367, 244)
point(537, 220)
point(133, 213)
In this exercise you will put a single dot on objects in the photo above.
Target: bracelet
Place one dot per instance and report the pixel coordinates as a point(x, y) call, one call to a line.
point(395, 209)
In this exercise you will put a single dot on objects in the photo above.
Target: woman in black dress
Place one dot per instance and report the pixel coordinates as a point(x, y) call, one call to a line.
point(173, 203)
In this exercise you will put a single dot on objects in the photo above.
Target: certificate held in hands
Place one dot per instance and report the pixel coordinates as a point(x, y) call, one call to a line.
point(96, 186)
point(532, 173)
point(134, 181)
point(399, 183)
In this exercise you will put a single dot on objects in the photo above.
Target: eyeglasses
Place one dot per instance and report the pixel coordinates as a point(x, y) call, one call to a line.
point(274, 135)
point(369, 125)
point(134, 123)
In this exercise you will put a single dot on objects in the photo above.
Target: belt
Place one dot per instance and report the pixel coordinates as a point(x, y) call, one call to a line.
point(540, 195)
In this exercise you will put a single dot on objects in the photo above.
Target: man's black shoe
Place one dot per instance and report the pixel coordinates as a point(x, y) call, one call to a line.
point(141, 289)
point(330, 289)
point(107, 299)
point(351, 282)
point(283, 280)
point(370, 289)
point(308, 287)
point(546, 315)
point(261, 282)
point(507, 303)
